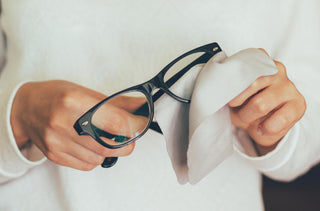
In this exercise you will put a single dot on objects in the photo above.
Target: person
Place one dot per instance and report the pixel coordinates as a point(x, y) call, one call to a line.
point(63, 57)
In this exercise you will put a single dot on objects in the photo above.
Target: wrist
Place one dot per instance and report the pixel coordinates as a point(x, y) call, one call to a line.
point(261, 147)
point(16, 116)
point(263, 150)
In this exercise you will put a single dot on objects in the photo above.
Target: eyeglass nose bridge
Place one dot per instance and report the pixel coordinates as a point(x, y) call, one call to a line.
point(158, 83)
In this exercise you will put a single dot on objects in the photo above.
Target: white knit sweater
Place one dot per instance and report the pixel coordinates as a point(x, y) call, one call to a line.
point(110, 45)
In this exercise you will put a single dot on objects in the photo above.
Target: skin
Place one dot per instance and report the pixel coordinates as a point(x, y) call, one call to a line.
point(43, 113)
point(268, 109)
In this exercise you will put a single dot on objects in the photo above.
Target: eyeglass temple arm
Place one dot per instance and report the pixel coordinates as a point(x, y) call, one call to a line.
point(144, 108)
point(110, 161)
point(144, 111)
point(202, 59)
point(155, 126)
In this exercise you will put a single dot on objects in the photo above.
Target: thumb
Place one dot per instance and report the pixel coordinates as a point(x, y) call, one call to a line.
point(119, 122)
point(264, 51)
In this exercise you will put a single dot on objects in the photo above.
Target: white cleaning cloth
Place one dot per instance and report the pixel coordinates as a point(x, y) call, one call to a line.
point(199, 135)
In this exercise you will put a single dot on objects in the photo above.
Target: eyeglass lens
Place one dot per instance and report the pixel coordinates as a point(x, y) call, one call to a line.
point(122, 118)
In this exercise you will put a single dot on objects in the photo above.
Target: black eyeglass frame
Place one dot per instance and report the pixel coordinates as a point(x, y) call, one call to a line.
point(84, 125)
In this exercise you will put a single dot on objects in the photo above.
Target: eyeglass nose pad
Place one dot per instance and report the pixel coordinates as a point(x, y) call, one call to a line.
point(109, 162)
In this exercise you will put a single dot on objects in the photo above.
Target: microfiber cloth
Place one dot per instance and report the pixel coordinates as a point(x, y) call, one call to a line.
point(199, 136)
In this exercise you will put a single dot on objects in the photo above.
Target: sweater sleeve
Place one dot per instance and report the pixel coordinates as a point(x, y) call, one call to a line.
point(13, 162)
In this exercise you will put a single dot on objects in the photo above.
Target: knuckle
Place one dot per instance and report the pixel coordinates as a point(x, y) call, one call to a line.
point(103, 151)
point(54, 120)
point(244, 118)
point(50, 142)
point(274, 128)
point(52, 156)
point(86, 167)
point(255, 85)
point(259, 82)
point(52, 123)
point(97, 160)
point(238, 123)
point(67, 99)
point(259, 105)
point(270, 129)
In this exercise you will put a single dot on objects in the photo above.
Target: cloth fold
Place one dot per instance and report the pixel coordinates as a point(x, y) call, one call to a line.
point(199, 135)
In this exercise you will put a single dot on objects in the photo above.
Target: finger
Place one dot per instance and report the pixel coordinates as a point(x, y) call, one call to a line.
point(264, 51)
point(117, 121)
point(68, 160)
point(130, 104)
point(83, 154)
point(103, 151)
point(258, 85)
point(281, 120)
point(255, 87)
point(281, 68)
point(60, 141)
point(262, 103)
point(236, 121)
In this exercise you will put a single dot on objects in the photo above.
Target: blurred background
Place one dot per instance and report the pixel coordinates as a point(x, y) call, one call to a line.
point(303, 194)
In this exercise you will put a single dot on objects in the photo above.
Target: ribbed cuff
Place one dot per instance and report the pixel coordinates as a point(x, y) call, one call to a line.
point(14, 162)
point(273, 160)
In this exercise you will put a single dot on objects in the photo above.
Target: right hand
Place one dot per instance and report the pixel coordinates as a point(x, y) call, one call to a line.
point(44, 113)
point(268, 109)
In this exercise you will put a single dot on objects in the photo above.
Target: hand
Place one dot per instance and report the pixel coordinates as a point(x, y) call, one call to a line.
point(268, 108)
point(44, 113)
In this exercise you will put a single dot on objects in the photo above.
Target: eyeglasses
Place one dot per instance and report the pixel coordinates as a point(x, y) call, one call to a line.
point(125, 116)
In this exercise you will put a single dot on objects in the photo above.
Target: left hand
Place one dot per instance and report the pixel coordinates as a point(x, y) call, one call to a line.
point(43, 113)
point(268, 108)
